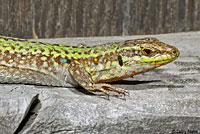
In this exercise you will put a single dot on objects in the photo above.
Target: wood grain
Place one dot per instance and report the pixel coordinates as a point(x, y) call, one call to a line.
point(76, 18)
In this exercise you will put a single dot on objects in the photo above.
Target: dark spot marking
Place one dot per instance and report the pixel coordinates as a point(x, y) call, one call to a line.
point(13, 56)
point(21, 54)
point(86, 52)
point(57, 59)
point(67, 46)
point(33, 42)
point(72, 58)
point(20, 48)
point(50, 51)
point(57, 51)
point(27, 49)
point(7, 52)
point(79, 53)
point(56, 44)
point(13, 39)
point(6, 56)
point(22, 40)
point(39, 62)
point(13, 48)
point(42, 50)
point(120, 60)
point(41, 43)
point(49, 57)
point(66, 52)
point(74, 46)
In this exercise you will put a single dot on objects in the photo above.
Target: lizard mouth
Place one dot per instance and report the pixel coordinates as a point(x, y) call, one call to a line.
point(164, 59)
point(168, 57)
point(157, 61)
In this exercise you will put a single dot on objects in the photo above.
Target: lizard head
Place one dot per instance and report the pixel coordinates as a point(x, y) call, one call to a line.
point(141, 55)
point(136, 56)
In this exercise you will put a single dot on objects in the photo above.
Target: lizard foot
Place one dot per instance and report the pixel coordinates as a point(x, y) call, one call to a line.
point(107, 88)
point(84, 79)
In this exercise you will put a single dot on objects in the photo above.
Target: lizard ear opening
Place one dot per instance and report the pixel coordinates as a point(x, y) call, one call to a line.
point(120, 60)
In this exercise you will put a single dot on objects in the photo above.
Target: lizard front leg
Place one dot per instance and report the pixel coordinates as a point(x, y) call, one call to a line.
point(84, 79)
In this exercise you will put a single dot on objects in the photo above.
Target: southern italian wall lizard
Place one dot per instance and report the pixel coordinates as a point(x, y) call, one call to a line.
point(32, 62)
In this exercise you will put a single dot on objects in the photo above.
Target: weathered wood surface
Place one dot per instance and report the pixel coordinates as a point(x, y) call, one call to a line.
point(165, 100)
point(73, 18)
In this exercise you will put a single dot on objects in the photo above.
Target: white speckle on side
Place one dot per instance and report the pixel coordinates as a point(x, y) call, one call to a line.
point(10, 61)
point(77, 72)
point(50, 69)
point(21, 62)
point(55, 64)
point(45, 64)
point(99, 66)
point(43, 58)
point(34, 64)
point(18, 55)
point(89, 63)
point(23, 58)
point(3, 62)
point(90, 84)
point(93, 66)
point(101, 60)
point(28, 56)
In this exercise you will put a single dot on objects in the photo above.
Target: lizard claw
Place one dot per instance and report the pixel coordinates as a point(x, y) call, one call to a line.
point(108, 87)
point(126, 93)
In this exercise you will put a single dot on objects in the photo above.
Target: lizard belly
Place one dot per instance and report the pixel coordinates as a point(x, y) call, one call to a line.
point(29, 76)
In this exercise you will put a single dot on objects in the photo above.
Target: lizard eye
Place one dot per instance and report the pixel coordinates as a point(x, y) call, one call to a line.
point(147, 51)
point(120, 60)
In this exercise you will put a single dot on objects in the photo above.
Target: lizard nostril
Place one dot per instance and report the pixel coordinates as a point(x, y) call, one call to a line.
point(174, 51)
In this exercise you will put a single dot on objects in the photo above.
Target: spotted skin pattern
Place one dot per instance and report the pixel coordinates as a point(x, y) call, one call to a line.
point(32, 62)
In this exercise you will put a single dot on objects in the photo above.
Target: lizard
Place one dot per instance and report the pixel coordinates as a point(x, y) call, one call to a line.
point(91, 67)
